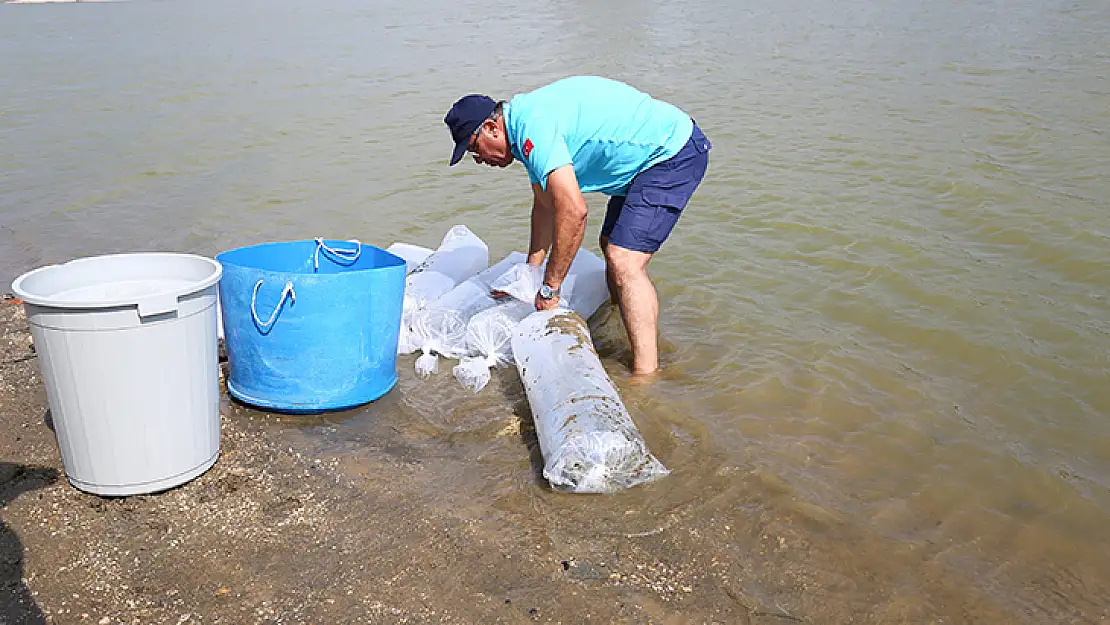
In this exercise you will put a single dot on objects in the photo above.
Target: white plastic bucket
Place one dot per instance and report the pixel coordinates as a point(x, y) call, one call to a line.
point(127, 349)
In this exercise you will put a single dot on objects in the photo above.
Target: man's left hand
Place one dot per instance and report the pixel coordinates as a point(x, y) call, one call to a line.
point(546, 304)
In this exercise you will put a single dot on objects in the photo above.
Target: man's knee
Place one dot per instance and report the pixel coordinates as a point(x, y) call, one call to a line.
point(625, 265)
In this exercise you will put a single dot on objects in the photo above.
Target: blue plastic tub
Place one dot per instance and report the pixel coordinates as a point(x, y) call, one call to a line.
point(312, 325)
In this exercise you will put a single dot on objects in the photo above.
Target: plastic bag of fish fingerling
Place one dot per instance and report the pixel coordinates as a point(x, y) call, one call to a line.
point(489, 337)
point(488, 334)
point(439, 329)
point(585, 284)
point(588, 440)
point(413, 255)
point(584, 289)
point(459, 256)
point(521, 282)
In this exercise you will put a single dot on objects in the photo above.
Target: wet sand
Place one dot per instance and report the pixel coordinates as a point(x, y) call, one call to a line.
point(272, 535)
point(275, 533)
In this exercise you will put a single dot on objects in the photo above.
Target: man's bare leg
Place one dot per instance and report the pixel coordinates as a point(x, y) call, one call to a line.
point(626, 273)
point(604, 244)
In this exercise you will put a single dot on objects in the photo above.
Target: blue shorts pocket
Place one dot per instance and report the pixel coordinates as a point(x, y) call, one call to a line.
point(643, 227)
point(675, 199)
point(660, 212)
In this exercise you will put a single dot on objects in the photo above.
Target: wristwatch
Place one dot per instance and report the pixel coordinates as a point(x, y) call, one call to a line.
point(547, 292)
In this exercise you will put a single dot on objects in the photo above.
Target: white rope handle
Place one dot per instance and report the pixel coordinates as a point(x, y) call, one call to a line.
point(287, 291)
point(348, 256)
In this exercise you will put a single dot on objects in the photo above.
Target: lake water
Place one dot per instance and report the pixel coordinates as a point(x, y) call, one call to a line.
point(888, 299)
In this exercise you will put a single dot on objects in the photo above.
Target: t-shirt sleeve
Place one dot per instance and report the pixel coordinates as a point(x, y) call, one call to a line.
point(544, 149)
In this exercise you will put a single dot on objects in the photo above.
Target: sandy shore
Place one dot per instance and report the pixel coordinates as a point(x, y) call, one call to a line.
point(271, 535)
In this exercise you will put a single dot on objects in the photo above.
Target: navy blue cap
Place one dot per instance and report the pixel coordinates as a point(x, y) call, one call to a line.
point(464, 118)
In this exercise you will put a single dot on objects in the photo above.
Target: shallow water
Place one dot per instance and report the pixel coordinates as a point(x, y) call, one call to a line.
point(888, 299)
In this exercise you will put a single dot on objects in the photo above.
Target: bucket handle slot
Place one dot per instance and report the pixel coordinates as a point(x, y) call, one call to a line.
point(157, 305)
point(346, 256)
point(286, 292)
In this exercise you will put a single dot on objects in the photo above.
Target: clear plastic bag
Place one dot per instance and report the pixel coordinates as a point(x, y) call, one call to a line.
point(413, 255)
point(489, 337)
point(584, 289)
point(439, 329)
point(488, 334)
point(521, 282)
point(588, 440)
point(459, 256)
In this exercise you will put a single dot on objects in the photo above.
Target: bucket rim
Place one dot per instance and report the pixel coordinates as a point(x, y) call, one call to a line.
point(29, 297)
point(229, 257)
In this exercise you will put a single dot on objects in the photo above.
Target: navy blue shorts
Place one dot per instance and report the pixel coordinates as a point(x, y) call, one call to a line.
point(643, 219)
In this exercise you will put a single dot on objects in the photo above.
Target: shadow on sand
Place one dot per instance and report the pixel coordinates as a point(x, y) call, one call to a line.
point(17, 606)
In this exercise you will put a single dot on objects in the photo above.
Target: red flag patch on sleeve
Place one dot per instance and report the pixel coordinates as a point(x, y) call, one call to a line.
point(527, 147)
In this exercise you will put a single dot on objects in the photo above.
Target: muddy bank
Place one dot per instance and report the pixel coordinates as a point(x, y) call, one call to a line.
point(279, 533)
point(273, 535)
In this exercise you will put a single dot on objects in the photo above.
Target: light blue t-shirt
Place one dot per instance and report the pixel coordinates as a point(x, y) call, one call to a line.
point(608, 130)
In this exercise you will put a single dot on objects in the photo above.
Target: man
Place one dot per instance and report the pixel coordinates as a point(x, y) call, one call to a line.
point(584, 134)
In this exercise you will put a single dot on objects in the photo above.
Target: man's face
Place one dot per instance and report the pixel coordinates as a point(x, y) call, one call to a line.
point(491, 145)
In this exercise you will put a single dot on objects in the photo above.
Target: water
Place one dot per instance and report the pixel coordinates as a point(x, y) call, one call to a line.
point(887, 302)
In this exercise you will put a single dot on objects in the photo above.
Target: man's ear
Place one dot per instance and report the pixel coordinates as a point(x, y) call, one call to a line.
point(491, 128)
